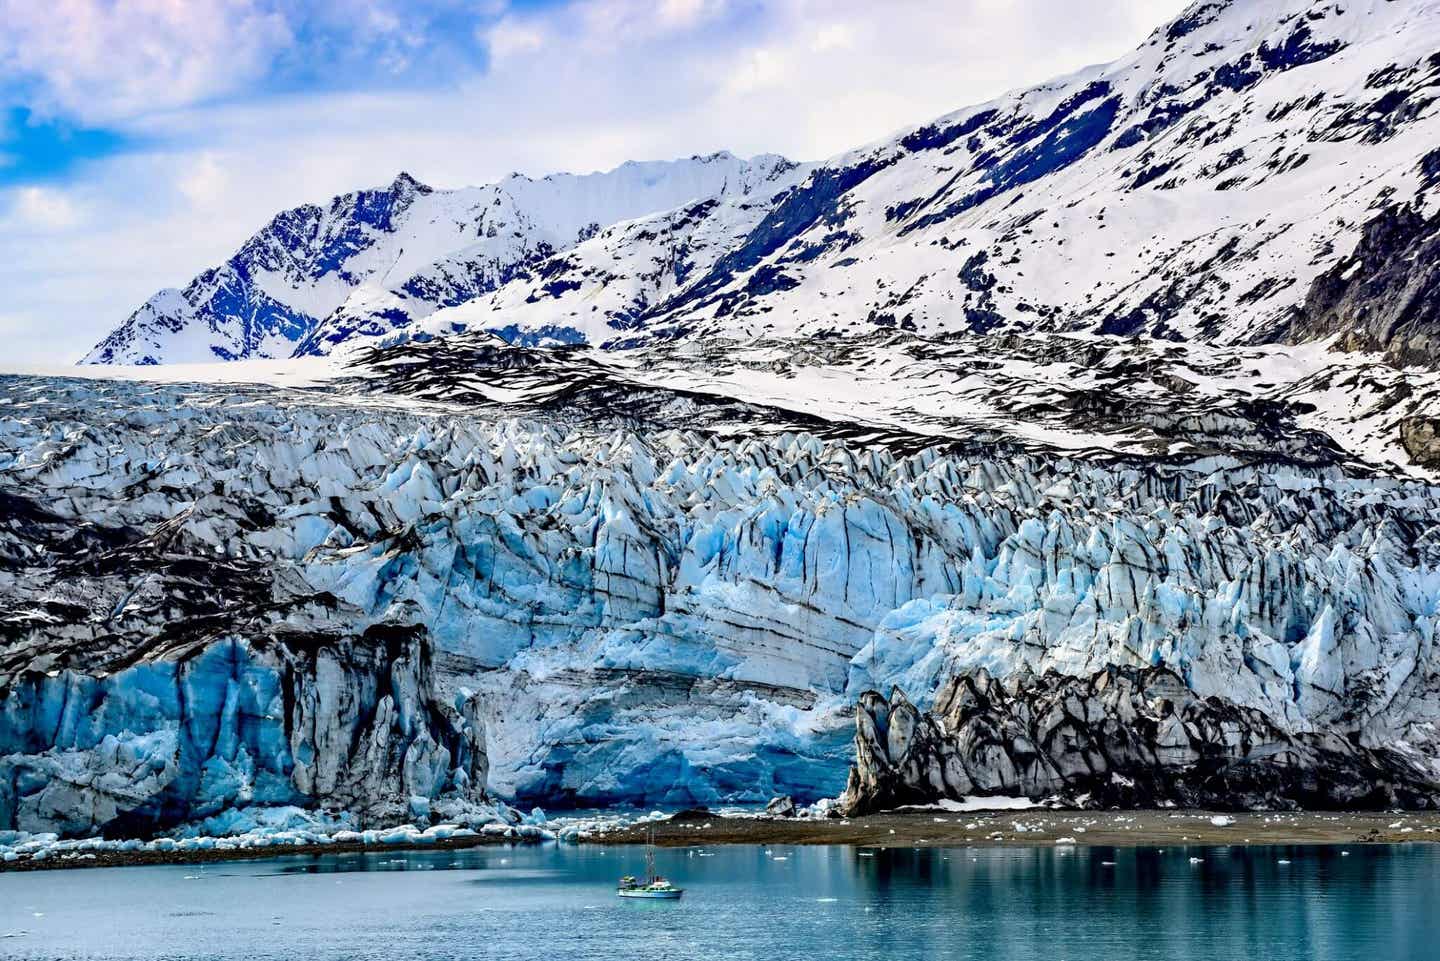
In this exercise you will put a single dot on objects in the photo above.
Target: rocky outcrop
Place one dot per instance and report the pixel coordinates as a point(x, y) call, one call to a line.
point(1384, 297)
point(1421, 437)
point(1122, 737)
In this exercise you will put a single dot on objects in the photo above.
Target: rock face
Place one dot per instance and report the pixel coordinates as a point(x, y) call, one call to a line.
point(1122, 737)
point(1421, 437)
point(1384, 297)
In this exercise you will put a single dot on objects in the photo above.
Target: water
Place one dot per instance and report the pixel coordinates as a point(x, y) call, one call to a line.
point(1376, 904)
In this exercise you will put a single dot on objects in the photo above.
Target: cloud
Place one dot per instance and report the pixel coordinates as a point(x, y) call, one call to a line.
point(205, 184)
point(99, 59)
point(106, 61)
point(687, 13)
point(759, 69)
point(832, 36)
point(44, 210)
point(511, 38)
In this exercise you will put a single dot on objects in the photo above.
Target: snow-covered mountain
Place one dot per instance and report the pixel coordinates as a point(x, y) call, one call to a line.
point(373, 260)
point(1195, 189)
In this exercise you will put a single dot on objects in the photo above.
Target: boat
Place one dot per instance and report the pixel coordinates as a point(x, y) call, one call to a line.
point(653, 887)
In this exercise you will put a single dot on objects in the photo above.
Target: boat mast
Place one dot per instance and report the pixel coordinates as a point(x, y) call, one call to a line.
point(650, 856)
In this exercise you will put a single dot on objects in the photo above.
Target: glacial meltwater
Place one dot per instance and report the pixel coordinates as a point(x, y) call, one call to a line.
point(1376, 903)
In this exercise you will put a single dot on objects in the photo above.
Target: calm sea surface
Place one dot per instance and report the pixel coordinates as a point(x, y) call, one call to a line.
point(1257, 904)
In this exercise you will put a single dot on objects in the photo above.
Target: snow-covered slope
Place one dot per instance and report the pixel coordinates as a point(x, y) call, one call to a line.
point(1190, 190)
point(1195, 189)
point(377, 259)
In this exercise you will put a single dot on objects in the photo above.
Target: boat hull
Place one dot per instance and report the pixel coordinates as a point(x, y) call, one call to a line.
point(652, 895)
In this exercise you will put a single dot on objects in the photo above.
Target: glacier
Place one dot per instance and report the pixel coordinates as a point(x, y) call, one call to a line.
point(358, 598)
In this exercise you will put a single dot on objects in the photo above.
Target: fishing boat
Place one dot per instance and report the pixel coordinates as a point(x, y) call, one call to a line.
point(653, 887)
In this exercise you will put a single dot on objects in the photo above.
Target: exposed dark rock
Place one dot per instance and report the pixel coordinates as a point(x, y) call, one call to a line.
point(781, 807)
point(695, 815)
point(1421, 437)
point(1385, 296)
point(1129, 737)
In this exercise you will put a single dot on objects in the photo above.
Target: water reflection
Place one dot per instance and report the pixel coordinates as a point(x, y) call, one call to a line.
point(1370, 903)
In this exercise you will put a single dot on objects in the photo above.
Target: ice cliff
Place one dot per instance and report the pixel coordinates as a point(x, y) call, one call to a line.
point(346, 596)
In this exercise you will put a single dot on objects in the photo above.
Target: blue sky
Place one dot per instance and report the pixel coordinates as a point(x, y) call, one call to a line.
point(40, 149)
point(143, 140)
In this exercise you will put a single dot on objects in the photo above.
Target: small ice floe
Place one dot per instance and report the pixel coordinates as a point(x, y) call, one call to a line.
point(780, 857)
point(1196, 860)
point(1282, 861)
point(1107, 864)
point(1221, 821)
point(826, 900)
point(866, 854)
point(1344, 854)
point(1065, 841)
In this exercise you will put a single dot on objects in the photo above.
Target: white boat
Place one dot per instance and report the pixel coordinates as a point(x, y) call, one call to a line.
point(658, 889)
point(654, 887)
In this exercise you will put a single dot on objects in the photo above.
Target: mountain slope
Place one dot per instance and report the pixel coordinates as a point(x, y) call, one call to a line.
point(1191, 190)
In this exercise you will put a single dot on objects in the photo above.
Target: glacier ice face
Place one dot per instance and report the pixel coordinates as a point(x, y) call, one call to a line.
point(636, 603)
point(350, 724)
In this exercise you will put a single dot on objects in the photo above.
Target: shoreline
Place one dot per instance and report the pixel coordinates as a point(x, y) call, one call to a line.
point(129, 859)
point(1033, 827)
point(912, 828)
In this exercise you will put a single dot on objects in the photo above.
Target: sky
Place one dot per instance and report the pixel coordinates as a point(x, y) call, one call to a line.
point(142, 141)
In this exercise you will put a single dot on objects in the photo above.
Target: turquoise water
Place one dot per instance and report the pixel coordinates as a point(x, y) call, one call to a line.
point(1376, 904)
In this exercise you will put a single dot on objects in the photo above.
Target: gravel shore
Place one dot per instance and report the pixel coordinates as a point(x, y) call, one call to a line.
point(939, 828)
point(906, 828)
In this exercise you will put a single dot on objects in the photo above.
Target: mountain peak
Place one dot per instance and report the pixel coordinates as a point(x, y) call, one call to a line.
point(405, 183)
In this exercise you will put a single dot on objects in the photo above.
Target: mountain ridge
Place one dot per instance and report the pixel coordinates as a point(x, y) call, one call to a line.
point(275, 295)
